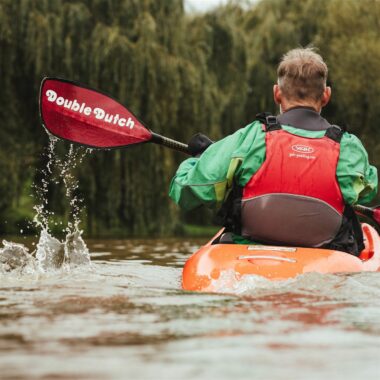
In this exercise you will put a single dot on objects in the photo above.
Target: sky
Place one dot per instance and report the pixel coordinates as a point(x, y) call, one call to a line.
point(202, 5)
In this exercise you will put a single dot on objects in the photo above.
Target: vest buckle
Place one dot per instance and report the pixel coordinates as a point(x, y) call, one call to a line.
point(272, 123)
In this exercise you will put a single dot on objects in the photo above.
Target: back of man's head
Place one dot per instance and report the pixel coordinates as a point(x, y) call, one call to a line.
point(302, 75)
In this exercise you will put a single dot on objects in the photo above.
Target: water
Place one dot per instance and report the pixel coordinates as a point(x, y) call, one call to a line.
point(124, 316)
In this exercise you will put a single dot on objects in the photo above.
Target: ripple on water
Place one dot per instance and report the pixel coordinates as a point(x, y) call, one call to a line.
point(125, 316)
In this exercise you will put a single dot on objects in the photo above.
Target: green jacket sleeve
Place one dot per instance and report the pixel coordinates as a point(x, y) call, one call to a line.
point(206, 180)
point(357, 178)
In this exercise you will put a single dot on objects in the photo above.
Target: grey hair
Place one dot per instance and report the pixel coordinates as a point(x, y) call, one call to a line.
point(302, 74)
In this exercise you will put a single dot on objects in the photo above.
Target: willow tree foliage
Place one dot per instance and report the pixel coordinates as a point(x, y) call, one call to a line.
point(180, 74)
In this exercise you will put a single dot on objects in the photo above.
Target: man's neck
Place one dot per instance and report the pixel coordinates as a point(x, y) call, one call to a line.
point(286, 106)
point(297, 107)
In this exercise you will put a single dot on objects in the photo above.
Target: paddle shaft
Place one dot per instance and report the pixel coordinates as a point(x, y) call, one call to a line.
point(181, 147)
point(366, 211)
point(169, 143)
point(372, 213)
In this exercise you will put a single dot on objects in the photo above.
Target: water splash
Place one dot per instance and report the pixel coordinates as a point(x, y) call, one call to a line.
point(76, 251)
point(59, 170)
point(42, 215)
point(52, 254)
point(15, 256)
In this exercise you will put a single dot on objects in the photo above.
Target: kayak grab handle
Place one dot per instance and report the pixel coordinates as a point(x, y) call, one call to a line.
point(267, 257)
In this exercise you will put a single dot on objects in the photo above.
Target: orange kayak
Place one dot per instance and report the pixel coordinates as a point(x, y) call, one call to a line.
point(275, 263)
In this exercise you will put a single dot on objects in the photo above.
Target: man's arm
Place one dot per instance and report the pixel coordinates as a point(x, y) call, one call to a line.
point(205, 180)
point(357, 178)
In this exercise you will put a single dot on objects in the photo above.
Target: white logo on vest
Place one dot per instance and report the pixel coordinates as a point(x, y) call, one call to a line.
point(302, 151)
point(302, 148)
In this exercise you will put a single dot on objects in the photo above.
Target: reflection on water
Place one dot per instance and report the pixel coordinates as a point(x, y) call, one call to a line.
point(125, 317)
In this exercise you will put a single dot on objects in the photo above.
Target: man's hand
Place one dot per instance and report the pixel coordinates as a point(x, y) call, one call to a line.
point(198, 144)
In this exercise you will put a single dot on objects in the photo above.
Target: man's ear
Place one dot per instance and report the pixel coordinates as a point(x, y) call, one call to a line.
point(326, 96)
point(277, 95)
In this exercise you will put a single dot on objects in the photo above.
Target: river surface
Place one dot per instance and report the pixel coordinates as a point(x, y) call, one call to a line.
point(124, 316)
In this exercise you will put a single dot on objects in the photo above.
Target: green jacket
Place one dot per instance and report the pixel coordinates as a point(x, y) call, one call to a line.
point(207, 180)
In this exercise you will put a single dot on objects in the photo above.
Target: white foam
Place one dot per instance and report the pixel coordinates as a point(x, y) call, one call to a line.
point(231, 282)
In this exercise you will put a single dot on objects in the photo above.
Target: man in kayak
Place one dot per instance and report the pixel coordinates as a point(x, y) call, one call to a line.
point(285, 180)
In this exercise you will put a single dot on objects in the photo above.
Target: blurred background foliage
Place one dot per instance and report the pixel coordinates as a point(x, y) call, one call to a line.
point(181, 73)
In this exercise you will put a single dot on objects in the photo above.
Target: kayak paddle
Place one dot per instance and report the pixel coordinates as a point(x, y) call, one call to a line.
point(82, 115)
point(372, 213)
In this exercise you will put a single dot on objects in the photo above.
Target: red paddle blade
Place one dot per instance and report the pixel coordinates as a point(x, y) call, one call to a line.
point(81, 115)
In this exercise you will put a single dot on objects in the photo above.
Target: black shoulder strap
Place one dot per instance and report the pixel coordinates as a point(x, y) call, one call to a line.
point(271, 123)
point(334, 133)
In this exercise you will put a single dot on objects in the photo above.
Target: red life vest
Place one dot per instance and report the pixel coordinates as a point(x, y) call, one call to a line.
point(294, 198)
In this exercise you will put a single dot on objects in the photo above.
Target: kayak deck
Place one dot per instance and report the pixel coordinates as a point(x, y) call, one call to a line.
point(275, 263)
